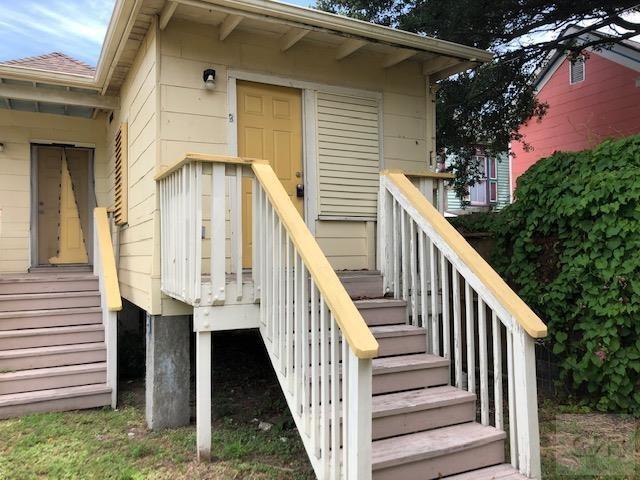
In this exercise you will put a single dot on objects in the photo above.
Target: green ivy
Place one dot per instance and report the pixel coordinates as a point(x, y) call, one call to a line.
point(570, 245)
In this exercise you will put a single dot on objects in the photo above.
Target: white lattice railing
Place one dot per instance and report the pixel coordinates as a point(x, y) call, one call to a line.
point(319, 344)
point(471, 316)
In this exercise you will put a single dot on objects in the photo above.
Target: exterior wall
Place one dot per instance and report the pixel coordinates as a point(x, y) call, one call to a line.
point(138, 242)
point(581, 115)
point(454, 205)
point(194, 119)
point(18, 131)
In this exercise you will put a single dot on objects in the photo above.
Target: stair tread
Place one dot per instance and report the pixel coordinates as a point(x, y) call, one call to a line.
point(53, 371)
point(94, 327)
point(39, 296)
point(52, 311)
point(401, 330)
point(47, 277)
point(497, 472)
point(379, 303)
point(37, 351)
point(52, 394)
point(432, 443)
point(416, 400)
point(414, 361)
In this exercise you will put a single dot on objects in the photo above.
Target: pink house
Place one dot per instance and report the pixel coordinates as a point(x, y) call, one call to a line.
point(594, 97)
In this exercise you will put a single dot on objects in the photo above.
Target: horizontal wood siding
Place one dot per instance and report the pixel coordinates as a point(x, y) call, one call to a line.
point(17, 131)
point(137, 238)
point(348, 155)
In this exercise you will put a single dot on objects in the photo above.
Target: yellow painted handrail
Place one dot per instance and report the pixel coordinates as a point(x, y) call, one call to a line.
point(352, 325)
point(107, 260)
point(426, 174)
point(519, 310)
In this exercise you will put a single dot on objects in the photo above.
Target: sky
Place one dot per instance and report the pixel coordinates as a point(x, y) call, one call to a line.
point(73, 27)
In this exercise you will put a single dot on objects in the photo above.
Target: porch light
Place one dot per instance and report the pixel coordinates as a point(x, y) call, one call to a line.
point(209, 78)
point(1, 147)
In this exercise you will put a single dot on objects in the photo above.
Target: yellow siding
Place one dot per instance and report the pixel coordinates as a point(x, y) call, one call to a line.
point(18, 130)
point(137, 239)
point(194, 119)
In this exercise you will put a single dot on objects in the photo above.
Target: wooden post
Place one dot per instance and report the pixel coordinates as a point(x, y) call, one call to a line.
point(524, 359)
point(203, 394)
point(359, 428)
point(385, 255)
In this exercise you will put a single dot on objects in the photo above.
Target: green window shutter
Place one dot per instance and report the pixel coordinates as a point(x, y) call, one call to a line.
point(348, 156)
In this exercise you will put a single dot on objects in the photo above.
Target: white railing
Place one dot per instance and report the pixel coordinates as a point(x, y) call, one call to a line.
point(469, 313)
point(319, 344)
point(199, 185)
point(104, 267)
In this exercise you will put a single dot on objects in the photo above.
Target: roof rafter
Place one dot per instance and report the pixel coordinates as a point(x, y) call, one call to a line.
point(228, 25)
point(293, 36)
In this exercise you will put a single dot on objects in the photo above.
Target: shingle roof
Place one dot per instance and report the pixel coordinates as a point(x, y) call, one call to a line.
point(54, 62)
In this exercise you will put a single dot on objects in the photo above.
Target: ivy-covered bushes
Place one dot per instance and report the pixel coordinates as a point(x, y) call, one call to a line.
point(570, 245)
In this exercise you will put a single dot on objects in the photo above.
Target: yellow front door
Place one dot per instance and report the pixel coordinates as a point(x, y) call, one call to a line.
point(269, 127)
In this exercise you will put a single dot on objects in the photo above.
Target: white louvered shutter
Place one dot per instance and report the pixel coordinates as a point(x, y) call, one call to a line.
point(348, 156)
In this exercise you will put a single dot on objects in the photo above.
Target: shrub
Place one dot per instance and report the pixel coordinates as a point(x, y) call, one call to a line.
point(570, 245)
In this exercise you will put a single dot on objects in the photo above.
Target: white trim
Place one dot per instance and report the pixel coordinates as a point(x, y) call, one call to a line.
point(62, 143)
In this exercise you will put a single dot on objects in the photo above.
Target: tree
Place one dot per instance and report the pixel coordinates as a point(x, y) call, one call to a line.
point(488, 104)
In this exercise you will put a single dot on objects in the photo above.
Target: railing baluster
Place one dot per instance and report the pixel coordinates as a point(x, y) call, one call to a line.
point(346, 413)
point(281, 297)
point(335, 398)
point(484, 374)
point(324, 384)
point(218, 229)
point(289, 312)
point(413, 275)
point(404, 257)
point(396, 253)
point(315, 380)
point(497, 370)
point(424, 297)
point(457, 333)
point(513, 437)
point(471, 351)
point(238, 243)
point(446, 327)
point(306, 357)
point(297, 332)
point(435, 330)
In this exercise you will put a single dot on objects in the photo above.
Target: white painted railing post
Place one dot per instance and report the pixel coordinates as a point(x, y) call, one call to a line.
point(526, 401)
point(385, 238)
point(218, 233)
point(203, 394)
point(359, 428)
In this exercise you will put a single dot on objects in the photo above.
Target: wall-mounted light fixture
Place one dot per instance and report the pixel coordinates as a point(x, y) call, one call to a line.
point(1, 147)
point(209, 78)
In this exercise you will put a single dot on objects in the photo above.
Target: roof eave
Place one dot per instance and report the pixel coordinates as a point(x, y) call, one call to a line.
point(16, 72)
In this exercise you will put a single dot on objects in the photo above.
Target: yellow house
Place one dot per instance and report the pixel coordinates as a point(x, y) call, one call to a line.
point(237, 164)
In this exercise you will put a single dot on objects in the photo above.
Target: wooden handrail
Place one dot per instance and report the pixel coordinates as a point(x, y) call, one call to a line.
point(205, 158)
point(353, 327)
point(512, 303)
point(426, 174)
point(107, 260)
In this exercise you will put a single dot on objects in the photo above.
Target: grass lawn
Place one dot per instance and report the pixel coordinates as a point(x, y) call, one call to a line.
point(106, 444)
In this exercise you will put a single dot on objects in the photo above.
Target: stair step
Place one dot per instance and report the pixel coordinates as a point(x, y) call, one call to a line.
point(409, 372)
point(52, 377)
point(50, 318)
point(382, 311)
point(47, 337)
point(46, 301)
point(47, 283)
point(498, 472)
point(362, 284)
point(436, 453)
point(400, 339)
point(417, 410)
point(42, 357)
point(54, 400)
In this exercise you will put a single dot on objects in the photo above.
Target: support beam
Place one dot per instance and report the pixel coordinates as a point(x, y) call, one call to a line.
point(398, 57)
point(203, 395)
point(447, 72)
point(293, 36)
point(348, 47)
point(439, 63)
point(48, 95)
point(229, 25)
point(166, 14)
point(168, 368)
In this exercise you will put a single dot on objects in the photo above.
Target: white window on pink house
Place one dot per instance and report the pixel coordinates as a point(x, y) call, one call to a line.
point(485, 191)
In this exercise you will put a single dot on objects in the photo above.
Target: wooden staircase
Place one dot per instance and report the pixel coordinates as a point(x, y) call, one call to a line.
point(421, 426)
point(52, 349)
